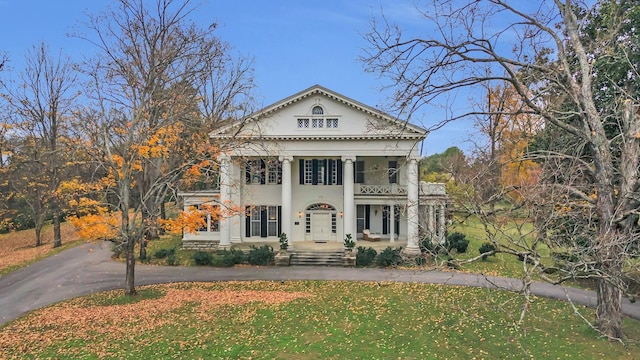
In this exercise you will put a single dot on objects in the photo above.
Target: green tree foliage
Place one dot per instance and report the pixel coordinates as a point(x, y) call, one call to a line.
point(574, 68)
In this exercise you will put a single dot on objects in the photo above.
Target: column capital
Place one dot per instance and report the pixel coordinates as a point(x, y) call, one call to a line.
point(223, 157)
point(285, 157)
point(413, 158)
point(348, 158)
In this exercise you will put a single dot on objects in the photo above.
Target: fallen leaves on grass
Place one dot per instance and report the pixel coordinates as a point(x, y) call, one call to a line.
point(78, 319)
point(18, 247)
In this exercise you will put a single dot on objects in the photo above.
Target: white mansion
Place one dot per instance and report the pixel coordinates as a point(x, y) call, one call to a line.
point(317, 166)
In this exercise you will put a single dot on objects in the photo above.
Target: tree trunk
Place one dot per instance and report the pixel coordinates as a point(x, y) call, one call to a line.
point(128, 239)
point(608, 310)
point(163, 216)
point(130, 287)
point(39, 224)
point(38, 235)
point(57, 237)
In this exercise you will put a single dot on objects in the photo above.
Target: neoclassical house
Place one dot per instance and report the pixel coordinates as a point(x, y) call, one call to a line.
point(317, 166)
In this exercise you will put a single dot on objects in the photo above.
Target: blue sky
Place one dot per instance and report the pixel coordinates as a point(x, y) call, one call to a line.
point(295, 44)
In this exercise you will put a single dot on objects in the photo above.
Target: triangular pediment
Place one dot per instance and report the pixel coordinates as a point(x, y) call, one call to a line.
point(319, 113)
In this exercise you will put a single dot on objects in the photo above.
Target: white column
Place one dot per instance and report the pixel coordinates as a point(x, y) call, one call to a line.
point(392, 223)
point(442, 224)
point(431, 221)
point(225, 201)
point(348, 188)
point(286, 196)
point(412, 208)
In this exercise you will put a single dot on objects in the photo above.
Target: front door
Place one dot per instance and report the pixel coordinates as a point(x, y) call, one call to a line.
point(321, 226)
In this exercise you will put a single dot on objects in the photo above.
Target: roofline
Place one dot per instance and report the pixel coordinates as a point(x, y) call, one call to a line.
point(265, 111)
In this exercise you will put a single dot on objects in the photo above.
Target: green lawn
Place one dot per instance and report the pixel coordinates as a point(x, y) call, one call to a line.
point(309, 320)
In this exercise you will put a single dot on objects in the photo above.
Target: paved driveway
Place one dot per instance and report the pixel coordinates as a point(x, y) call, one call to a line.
point(87, 268)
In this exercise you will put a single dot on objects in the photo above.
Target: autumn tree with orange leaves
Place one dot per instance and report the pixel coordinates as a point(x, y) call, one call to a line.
point(40, 102)
point(158, 85)
point(574, 66)
point(507, 126)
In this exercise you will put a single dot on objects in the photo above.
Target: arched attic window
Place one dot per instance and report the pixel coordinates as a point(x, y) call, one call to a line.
point(317, 110)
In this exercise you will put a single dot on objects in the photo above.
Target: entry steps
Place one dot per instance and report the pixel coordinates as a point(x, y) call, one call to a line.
point(316, 257)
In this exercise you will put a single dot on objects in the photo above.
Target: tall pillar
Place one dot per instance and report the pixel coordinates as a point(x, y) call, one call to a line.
point(431, 224)
point(413, 240)
point(442, 224)
point(348, 195)
point(225, 201)
point(392, 223)
point(286, 196)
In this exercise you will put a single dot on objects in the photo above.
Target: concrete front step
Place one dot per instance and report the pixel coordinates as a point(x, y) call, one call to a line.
point(326, 258)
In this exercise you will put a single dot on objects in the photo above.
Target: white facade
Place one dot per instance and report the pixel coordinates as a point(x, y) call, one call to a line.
point(317, 166)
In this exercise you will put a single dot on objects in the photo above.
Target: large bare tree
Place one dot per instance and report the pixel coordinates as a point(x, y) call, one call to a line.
point(151, 88)
point(552, 55)
point(40, 102)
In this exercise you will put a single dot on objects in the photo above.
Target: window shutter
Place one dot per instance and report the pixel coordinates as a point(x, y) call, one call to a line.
point(280, 172)
point(330, 165)
point(327, 176)
point(263, 221)
point(280, 221)
point(385, 219)
point(301, 169)
point(315, 172)
point(393, 172)
point(367, 216)
point(263, 172)
point(339, 170)
point(397, 219)
point(247, 221)
point(247, 172)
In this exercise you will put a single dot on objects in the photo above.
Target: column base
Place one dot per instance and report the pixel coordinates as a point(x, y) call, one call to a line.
point(411, 252)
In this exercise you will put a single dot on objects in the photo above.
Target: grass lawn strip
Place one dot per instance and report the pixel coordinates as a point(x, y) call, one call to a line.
point(17, 250)
point(307, 320)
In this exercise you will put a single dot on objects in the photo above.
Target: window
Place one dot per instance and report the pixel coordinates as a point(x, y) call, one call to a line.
point(333, 170)
point(303, 123)
point(332, 123)
point(307, 223)
point(333, 223)
point(320, 172)
point(263, 172)
point(272, 222)
point(317, 110)
point(308, 172)
point(263, 220)
point(274, 172)
point(360, 218)
point(209, 213)
point(317, 123)
point(256, 221)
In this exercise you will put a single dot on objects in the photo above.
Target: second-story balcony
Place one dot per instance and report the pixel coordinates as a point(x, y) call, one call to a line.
point(391, 189)
point(428, 189)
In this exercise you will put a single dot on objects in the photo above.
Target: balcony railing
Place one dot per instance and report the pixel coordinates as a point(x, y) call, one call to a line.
point(393, 189)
